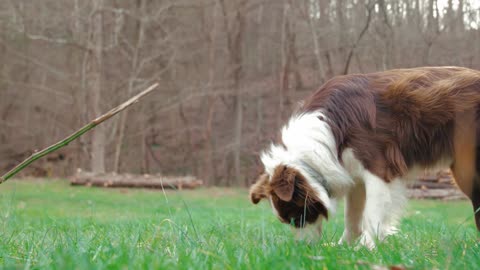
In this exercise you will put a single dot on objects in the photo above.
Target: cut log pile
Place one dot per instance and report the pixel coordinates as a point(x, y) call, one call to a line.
point(435, 186)
point(112, 180)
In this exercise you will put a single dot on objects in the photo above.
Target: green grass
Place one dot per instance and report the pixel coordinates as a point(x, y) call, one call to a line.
point(50, 225)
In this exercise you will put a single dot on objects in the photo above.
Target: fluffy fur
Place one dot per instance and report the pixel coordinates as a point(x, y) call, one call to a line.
point(361, 136)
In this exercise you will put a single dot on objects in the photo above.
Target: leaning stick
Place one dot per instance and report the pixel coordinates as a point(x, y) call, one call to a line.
point(77, 134)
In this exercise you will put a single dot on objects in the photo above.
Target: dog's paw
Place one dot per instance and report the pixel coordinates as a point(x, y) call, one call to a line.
point(348, 238)
point(390, 231)
point(366, 240)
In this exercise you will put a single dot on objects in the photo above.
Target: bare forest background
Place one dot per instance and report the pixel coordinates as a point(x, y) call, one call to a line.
point(230, 73)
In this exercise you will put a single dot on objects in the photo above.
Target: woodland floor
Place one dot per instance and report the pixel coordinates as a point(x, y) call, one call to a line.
point(51, 225)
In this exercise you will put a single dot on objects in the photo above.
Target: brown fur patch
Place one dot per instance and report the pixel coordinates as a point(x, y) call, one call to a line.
point(283, 182)
point(293, 198)
point(260, 189)
point(464, 166)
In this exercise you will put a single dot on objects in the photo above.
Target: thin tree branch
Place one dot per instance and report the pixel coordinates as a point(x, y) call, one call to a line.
point(370, 6)
point(77, 134)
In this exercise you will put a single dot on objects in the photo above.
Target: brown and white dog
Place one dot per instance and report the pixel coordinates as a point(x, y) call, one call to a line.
point(362, 137)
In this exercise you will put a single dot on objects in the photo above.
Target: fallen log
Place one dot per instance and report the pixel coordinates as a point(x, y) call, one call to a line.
point(138, 184)
point(441, 176)
point(431, 185)
point(135, 181)
point(429, 178)
point(436, 194)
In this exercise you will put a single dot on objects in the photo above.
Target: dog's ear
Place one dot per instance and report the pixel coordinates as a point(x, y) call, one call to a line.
point(283, 182)
point(259, 190)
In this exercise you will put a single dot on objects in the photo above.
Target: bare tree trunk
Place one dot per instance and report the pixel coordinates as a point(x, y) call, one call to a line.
point(477, 50)
point(260, 121)
point(459, 19)
point(432, 17)
point(369, 7)
point(388, 35)
point(313, 31)
point(343, 37)
point(131, 81)
point(418, 13)
point(236, 54)
point(82, 97)
point(234, 40)
point(283, 80)
point(189, 139)
point(259, 66)
point(209, 151)
point(94, 83)
point(238, 137)
point(145, 169)
point(289, 58)
point(209, 165)
point(5, 107)
point(294, 61)
point(432, 30)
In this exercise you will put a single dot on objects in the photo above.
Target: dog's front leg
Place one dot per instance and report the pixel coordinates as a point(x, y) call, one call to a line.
point(380, 209)
point(354, 209)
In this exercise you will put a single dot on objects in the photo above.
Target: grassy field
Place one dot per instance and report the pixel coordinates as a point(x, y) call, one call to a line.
point(50, 225)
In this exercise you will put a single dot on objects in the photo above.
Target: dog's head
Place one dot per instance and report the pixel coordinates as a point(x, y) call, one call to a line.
point(299, 169)
point(294, 200)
